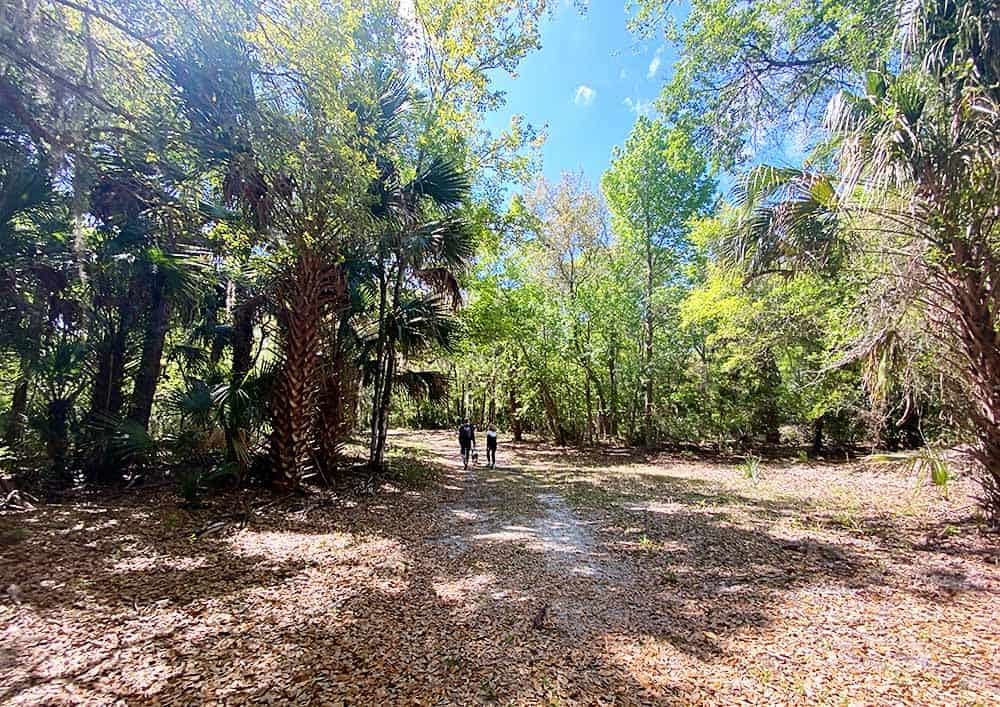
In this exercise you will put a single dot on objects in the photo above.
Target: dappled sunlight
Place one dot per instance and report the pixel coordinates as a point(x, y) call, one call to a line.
point(469, 589)
point(281, 544)
point(161, 563)
point(580, 585)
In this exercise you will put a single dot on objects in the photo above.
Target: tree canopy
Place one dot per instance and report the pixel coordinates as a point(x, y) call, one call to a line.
point(234, 237)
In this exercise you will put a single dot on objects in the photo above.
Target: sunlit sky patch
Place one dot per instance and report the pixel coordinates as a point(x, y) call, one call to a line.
point(587, 84)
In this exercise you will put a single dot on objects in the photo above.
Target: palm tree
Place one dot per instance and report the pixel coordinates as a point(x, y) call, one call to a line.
point(423, 241)
point(425, 244)
point(917, 163)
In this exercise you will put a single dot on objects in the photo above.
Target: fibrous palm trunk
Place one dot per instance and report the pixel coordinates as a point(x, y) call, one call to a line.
point(976, 302)
point(294, 402)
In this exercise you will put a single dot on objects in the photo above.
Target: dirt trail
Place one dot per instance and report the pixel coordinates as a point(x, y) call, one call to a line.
point(507, 504)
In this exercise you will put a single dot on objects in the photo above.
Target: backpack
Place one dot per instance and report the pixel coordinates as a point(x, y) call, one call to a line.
point(465, 434)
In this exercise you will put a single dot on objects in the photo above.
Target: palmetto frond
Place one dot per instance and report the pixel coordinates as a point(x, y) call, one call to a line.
point(184, 273)
point(432, 385)
point(788, 222)
point(196, 403)
point(423, 323)
point(441, 180)
point(448, 240)
point(443, 282)
point(24, 187)
point(394, 101)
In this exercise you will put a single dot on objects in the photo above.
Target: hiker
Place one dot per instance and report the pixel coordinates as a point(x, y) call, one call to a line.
point(491, 445)
point(466, 440)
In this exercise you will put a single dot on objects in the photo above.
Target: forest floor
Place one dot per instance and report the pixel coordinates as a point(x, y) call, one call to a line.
point(560, 577)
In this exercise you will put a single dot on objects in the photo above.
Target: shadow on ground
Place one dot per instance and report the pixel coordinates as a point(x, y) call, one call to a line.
point(555, 578)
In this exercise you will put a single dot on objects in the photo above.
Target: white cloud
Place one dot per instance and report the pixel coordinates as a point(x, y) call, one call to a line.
point(584, 95)
point(654, 65)
point(639, 106)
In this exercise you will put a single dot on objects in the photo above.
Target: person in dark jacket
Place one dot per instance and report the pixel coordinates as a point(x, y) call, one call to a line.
point(466, 440)
point(491, 446)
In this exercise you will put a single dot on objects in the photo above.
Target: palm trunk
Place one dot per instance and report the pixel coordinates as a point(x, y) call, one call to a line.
point(148, 375)
point(57, 439)
point(243, 319)
point(374, 453)
point(106, 396)
point(976, 307)
point(383, 431)
point(383, 400)
point(294, 404)
point(236, 440)
point(106, 401)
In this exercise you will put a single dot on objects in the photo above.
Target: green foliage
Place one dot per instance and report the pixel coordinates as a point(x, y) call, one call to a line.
point(211, 214)
point(930, 463)
point(230, 230)
point(751, 73)
point(751, 469)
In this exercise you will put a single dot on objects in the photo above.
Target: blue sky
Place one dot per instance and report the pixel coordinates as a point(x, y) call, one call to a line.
point(590, 80)
point(586, 84)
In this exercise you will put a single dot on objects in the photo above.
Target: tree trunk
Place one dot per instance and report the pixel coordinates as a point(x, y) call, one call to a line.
point(590, 412)
point(817, 438)
point(552, 413)
point(913, 438)
point(976, 310)
point(18, 407)
point(648, 357)
point(243, 321)
point(236, 426)
point(768, 412)
point(375, 426)
point(337, 404)
point(57, 439)
point(376, 458)
point(106, 401)
point(294, 404)
point(106, 391)
point(515, 418)
point(491, 418)
point(148, 375)
point(383, 431)
point(612, 393)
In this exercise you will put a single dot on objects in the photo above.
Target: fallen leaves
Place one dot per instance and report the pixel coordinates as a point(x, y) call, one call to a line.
point(660, 582)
